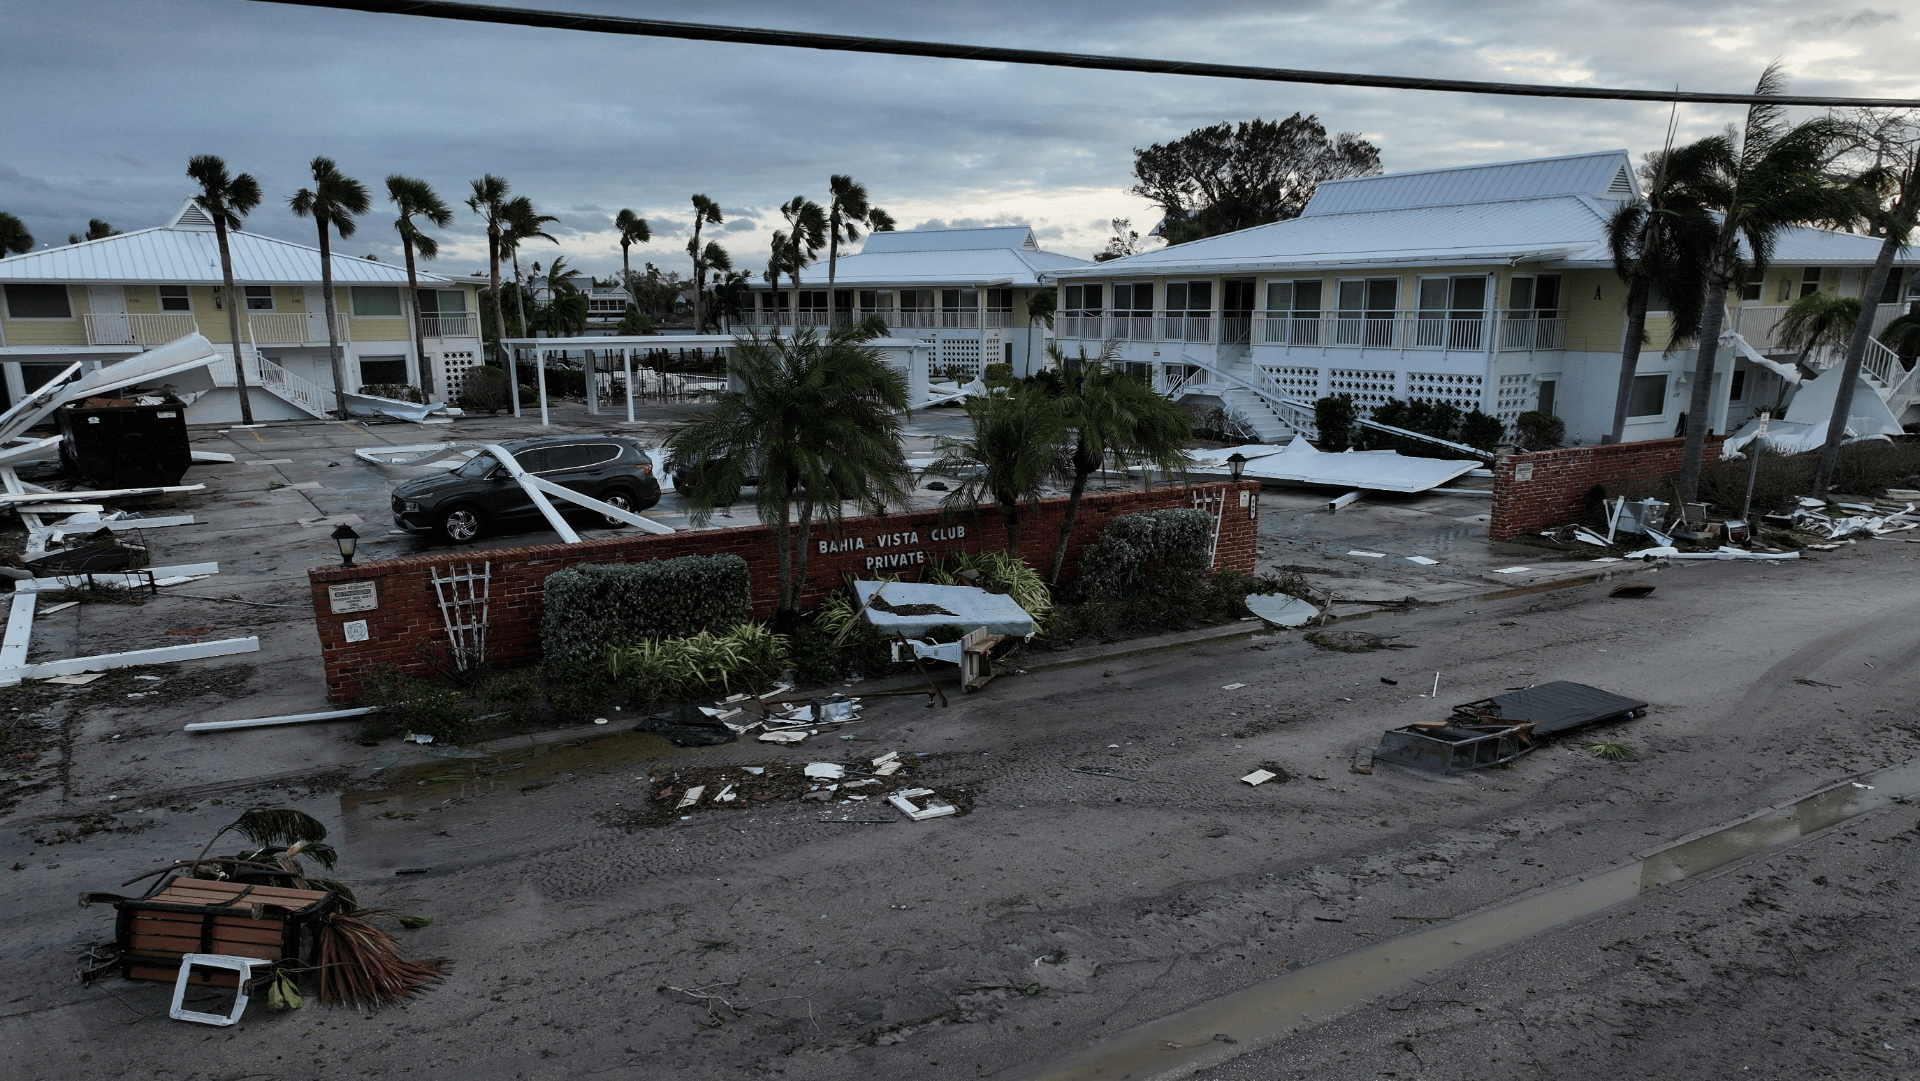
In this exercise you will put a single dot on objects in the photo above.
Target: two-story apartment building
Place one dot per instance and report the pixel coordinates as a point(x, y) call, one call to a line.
point(104, 300)
point(1486, 286)
point(964, 290)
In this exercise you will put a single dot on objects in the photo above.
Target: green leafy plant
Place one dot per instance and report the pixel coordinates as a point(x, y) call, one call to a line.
point(486, 390)
point(597, 605)
point(409, 705)
point(1000, 573)
point(1610, 750)
point(1539, 431)
point(399, 392)
point(1333, 418)
point(1164, 541)
point(684, 667)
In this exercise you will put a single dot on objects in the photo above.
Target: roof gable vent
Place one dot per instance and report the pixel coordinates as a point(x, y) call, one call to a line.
point(190, 216)
point(1622, 183)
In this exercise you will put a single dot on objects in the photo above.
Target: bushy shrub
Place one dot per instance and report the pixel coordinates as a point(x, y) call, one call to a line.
point(1539, 431)
point(596, 605)
point(997, 375)
point(1169, 542)
point(1333, 421)
point(749, 655)
point(1477, 429)
point(485, 390)
point(409, 705)
point(1441, 420)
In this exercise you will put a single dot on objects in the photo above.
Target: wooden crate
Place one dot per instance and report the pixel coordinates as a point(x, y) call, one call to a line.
point(192, 915)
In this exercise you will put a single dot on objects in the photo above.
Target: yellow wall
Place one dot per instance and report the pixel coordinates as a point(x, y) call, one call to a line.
point(52, 331)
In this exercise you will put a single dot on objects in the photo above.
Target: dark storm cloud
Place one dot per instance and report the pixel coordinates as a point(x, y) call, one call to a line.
point(124, 91)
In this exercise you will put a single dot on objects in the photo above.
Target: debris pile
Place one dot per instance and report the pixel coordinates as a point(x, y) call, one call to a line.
point(890, 778)
point(779, 720)
point(1496, 730)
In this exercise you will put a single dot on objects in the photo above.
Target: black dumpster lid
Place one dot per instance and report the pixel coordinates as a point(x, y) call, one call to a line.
point(1554, 707)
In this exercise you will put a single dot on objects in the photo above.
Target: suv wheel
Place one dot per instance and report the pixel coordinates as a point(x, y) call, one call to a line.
point(616, 499)
point(460, 525)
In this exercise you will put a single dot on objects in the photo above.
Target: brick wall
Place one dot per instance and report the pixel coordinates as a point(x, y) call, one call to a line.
point(1549, 488)
point(404, 624)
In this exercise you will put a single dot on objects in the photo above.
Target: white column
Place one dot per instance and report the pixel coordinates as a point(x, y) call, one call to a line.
point(540, 375)
point(626, 366)
point(513, 377)
point(590, 368)
point(16, 382)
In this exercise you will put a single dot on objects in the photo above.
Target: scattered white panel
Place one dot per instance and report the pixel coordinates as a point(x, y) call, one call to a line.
point(268, 461)
point(1259, 777)
point(1513, 570)
point(1423, 561)
point(1367, 555)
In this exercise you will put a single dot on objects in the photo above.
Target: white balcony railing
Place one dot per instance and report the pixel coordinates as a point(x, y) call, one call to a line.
point(466, 325)
point(895, 318)
point(1397, 330)
point(1759, 324)
point(295, 328)
point(134, 328)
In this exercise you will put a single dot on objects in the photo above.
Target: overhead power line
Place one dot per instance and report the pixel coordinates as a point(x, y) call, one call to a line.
point(796, 39)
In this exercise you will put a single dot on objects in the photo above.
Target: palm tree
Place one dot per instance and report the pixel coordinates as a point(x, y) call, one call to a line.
point(489, 200)
point(1040, 307)
point(1112, 413)
point(633, 230)
point(809, 224)
point(812, 417)
point(1774, 178)
point(1899, 178)
point(416, 197)
point(705, 212)
point(847, 211)
point(96, 230)
point(523, 223)
point(227, 200)
point(1817, 321)
point(1015, 448)
point(879, 221)
point(332, 202)
point(1660, 245)
point(14, 238)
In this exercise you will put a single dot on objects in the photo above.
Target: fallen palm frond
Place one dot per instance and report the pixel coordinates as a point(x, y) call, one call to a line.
point(1610, 750)
point(360, 965)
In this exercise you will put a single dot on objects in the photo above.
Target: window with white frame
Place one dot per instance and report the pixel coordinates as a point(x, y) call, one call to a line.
point(259, 298)
point(1809, 281)
point(1085, 299)
point(1534, 319)
point(1293, 312)
point(1367, 307)
point(176, 298)
point(876, 300)
point(375, 301)
point(1648, 398)
point(36, 301)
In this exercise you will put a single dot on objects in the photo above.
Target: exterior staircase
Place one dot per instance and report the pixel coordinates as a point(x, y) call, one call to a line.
point(303, 394)
point(1249, 394)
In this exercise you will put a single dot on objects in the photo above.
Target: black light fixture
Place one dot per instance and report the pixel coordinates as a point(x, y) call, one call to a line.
point(1237, 462)
point(346, 538)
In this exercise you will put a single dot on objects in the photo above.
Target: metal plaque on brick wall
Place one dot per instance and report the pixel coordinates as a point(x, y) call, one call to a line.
point(1523, 471)
point(353, 597)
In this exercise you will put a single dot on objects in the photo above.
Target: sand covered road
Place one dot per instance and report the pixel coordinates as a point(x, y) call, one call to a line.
point(1111, 869)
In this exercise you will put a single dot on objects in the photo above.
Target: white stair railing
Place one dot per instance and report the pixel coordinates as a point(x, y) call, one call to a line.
point(303, 392)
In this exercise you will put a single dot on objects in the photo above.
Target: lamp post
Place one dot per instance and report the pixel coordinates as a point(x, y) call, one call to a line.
point(346, 538)
point(1237, 464)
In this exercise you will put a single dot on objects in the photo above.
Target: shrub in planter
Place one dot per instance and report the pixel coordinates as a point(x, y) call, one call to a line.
point(1168, 542)
point(1539, 431)
point(1333, 419)
point(749, 655)
point(409, 705)
point(596, 605)
point(399, 392)
point(486, 390)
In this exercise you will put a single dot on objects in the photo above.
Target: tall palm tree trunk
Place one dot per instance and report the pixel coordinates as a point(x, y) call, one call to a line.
point(419, 322)
point(833, 260)
point(802, 538)
point(1700, 403)
point(1630, 346)
point(784, 550)
point(334, 356)
point(1010, 518)
point(1066, 524)
point(233, 320)
point(1857, 355)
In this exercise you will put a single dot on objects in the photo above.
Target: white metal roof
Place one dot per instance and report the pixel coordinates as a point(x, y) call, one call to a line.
point(1001, 236)
point(186, 250)
point(1530, 229)
point(961, 257)
point(1604, 175)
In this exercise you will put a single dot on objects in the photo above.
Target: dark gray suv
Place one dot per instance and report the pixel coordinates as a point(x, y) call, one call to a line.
point(481, 494)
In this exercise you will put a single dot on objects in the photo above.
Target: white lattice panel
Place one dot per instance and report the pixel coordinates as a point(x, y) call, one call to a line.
point(1297, 382)
point(1369, 389)
point(962, 353)
point(1515, 396)
point(454, 366)
point(1460, 391)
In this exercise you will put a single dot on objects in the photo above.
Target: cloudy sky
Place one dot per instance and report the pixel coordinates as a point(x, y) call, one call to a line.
point(109, 98)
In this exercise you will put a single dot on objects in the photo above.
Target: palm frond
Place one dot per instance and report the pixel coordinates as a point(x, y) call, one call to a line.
point(266, 826)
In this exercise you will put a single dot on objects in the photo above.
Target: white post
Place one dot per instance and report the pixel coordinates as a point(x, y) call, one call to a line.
point(513, 377)
point(540, 376)
point(626, 366)
point(590, 369)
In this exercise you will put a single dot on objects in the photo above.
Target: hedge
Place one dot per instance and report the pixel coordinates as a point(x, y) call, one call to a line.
point(596, 605)
point(1172, 541)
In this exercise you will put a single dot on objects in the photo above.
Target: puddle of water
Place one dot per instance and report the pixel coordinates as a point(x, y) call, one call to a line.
point(1272, 1009)
point(436, 781)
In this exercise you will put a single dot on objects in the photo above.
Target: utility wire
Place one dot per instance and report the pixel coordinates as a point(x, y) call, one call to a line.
point(796, 39)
